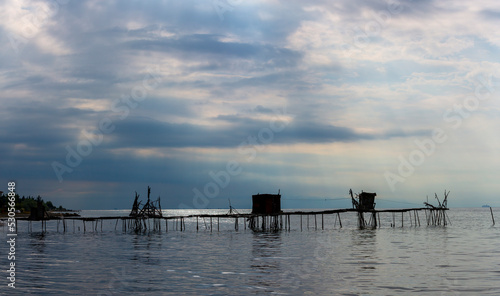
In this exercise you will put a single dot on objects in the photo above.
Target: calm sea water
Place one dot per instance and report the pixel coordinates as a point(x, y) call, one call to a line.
point(459, 259)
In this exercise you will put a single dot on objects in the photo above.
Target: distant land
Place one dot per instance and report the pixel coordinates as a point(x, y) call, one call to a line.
point(24, 204)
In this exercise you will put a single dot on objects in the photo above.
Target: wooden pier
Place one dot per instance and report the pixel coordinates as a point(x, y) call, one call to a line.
point(256, 222)
point(266, 215)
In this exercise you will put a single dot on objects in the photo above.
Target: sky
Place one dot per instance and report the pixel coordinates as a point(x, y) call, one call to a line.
point(214, 100)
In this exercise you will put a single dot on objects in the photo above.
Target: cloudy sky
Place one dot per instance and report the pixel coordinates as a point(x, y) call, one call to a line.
point(209, 100)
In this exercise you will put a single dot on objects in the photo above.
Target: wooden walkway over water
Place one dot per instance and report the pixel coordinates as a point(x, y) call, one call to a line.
point(256, 222)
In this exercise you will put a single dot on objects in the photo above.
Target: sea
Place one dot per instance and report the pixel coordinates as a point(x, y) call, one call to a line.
point(322, 258)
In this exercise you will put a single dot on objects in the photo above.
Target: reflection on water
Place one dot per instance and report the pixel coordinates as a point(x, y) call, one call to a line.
point(461, 259)
point(266, 257)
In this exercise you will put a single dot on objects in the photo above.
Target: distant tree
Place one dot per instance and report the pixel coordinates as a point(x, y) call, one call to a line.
point(50, 206)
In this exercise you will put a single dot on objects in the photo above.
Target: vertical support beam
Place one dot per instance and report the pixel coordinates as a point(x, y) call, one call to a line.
point(301, 222)
point(322, 222)
point(340, 221)
point(315, 223)
point(491, 211)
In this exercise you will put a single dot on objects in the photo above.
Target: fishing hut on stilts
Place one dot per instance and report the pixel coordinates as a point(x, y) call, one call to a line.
point(364, 202)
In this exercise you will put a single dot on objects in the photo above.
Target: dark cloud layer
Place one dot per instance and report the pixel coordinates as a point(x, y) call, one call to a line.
point(221, 80)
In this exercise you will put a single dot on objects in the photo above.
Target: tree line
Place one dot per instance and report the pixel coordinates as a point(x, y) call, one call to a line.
point(24, 204)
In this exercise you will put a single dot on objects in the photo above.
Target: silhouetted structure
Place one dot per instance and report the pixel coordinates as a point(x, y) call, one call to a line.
point(365, 201)
point(152, 209)
point(266, 203)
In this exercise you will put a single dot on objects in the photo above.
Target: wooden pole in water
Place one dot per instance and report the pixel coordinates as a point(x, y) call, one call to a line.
point(315, 224)
point(322, 222)
point(492, 218)
point(340, 221)
point(300, 222)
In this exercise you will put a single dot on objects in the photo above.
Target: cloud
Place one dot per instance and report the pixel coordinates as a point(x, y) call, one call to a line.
point(355, 78)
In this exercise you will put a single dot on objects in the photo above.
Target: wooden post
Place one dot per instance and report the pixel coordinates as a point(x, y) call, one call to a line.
point(315, 224)
point(301, 222)
point(402, 215)
point(340, 221)
point(218, 224)
point(322, 223)
point(492, 218)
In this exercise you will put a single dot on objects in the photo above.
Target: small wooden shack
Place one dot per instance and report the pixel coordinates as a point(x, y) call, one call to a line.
point(366, 201)
point(266, 203)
